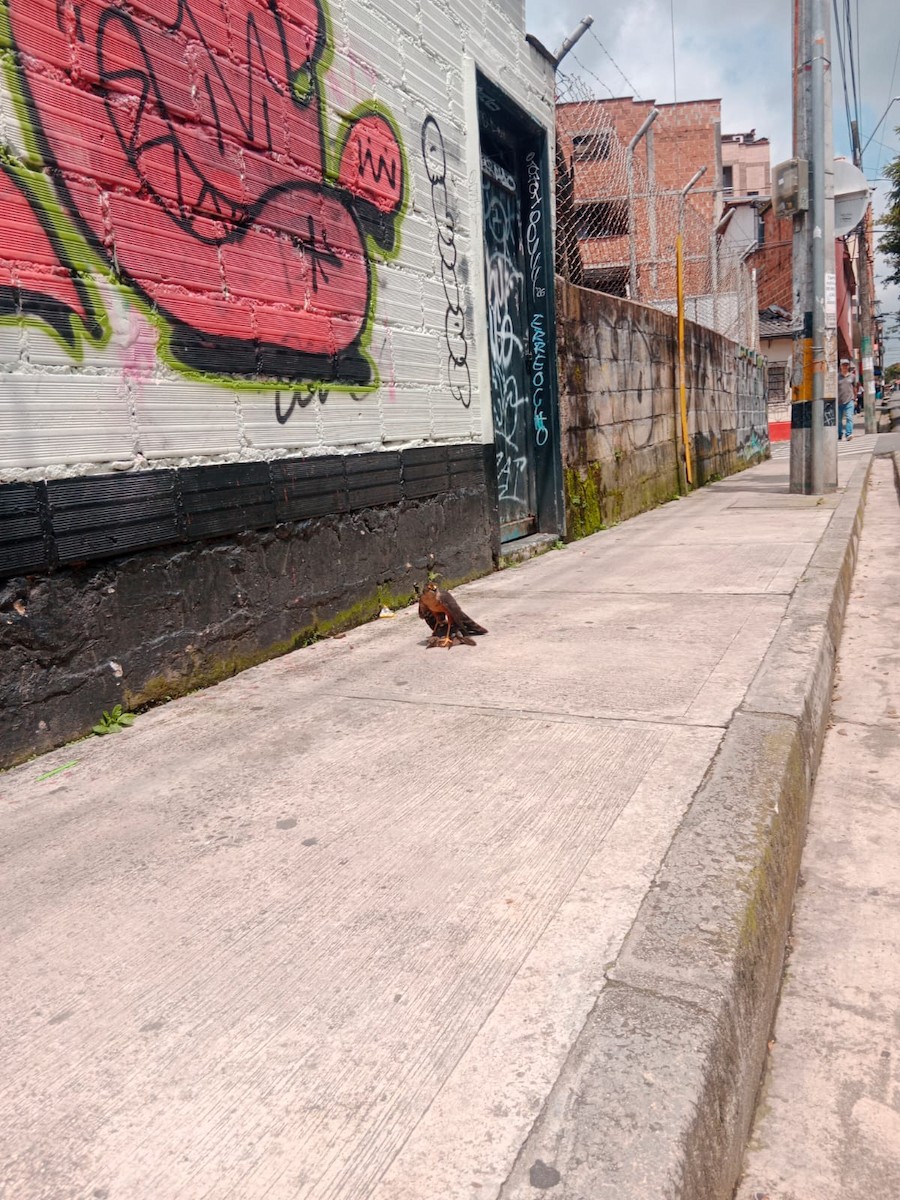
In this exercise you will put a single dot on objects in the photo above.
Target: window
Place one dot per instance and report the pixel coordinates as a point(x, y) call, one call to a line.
point(602, 219)
point(776, 383)
point(728, 179)
point(592, 147)
point(612, 280)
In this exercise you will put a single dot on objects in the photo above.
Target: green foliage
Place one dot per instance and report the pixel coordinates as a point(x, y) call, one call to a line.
point(113, 721)
point(889, 244)
point(892, 373)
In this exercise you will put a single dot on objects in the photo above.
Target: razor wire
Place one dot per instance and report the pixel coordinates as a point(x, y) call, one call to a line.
point(617, 227)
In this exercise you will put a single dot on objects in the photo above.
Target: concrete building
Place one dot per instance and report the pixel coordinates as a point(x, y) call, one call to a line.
point(254, 286)
point(746, 169)
point(609, 221)
point(772, 260)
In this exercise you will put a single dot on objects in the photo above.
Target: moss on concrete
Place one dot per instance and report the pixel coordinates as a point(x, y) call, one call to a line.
point(597, 496)
point(211, 668)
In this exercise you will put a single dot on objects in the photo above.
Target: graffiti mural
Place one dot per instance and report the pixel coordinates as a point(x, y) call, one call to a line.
point(45, 286)
point(506, 328)
point(186, 143)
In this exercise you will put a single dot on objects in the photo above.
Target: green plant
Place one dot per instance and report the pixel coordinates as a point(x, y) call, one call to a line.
point(113, 721)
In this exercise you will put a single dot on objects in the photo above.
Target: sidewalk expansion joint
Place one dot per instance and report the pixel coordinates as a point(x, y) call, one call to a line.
point(834, 722)
point(659, 993)
point(527, 714)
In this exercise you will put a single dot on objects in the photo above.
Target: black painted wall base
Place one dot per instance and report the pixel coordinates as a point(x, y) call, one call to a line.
point(138, 628)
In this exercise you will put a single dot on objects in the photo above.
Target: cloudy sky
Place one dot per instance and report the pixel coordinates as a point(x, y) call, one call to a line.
point(741, 55)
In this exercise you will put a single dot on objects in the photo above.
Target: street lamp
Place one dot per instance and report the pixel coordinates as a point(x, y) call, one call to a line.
point(893, 100)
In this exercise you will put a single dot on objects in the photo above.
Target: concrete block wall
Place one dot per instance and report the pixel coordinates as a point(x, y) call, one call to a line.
point(236, 237)
point(619, 406)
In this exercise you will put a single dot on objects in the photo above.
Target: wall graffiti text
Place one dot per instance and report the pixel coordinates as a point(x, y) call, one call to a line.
point(506, 326)
point(186, 144)
point(435, 157)
point(537, 272)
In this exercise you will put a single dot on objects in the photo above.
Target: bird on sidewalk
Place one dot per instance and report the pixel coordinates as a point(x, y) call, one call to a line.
point(439, 609)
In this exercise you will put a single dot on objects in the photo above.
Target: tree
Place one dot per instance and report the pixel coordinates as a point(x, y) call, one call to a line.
point(892, 373)
point(889, 244)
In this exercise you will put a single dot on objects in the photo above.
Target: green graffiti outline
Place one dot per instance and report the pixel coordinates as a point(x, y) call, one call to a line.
point(80, 258)
point(69, 246)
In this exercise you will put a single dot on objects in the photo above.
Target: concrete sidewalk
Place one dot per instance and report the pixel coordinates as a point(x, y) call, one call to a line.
point(375, 921)
point(828, 1124)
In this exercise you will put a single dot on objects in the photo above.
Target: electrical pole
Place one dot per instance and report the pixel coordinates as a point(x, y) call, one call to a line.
point(813, 467)
point(864, 297)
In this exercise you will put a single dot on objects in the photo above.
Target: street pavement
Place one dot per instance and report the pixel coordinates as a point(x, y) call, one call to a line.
point(828, 1124)
point(386, 922)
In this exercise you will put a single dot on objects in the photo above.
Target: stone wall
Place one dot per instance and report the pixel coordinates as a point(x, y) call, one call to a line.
point(619, 406)
point(139, 628)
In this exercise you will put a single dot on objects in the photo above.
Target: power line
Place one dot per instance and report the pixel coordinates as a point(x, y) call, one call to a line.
point(858, 63)
point(853, 83)
point(593, 74)
point(840, 45)
point(634, 90)
point(890, 93)
point(883, 145)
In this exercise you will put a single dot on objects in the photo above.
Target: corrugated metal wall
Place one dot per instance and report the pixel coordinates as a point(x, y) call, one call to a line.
point(209, 253)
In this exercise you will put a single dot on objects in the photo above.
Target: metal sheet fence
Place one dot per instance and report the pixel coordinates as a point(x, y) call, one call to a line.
point(617, 228)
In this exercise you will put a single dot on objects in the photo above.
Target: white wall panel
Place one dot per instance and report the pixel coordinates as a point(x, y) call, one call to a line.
point(49, 420)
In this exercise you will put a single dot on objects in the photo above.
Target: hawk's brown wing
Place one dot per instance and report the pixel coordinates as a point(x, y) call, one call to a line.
point(460, 620)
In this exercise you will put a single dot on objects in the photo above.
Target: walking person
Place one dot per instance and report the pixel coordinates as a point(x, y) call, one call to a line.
point(846, 398)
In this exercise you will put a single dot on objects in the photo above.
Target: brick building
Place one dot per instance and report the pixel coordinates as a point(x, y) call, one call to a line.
point(772, 260)
point(592, 137)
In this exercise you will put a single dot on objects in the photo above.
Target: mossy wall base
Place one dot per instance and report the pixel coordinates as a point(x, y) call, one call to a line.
point(142, 628)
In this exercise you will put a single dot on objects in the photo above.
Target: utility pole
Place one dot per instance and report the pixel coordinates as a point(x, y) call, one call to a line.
point(813, 468)
point(864, 297)
point(679, 287)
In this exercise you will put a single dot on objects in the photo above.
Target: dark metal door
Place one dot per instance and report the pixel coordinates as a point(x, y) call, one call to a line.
point(504, 261)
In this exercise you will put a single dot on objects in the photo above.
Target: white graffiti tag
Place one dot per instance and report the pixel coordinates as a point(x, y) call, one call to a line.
point(507, 352)
point(435, 157)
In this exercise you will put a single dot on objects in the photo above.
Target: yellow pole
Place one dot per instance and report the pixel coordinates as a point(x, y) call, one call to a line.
point(682, 388)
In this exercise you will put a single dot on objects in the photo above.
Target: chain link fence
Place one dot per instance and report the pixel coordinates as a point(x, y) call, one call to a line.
point(617, 228)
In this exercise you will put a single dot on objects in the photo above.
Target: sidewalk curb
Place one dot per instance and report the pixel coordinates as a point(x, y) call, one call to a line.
point(656, 1098)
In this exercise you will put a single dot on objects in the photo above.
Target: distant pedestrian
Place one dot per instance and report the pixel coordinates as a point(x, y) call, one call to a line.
point(860, 397)
point(845, 400)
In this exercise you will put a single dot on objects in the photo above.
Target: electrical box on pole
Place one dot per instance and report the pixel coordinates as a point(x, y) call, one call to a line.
point(790, 187)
